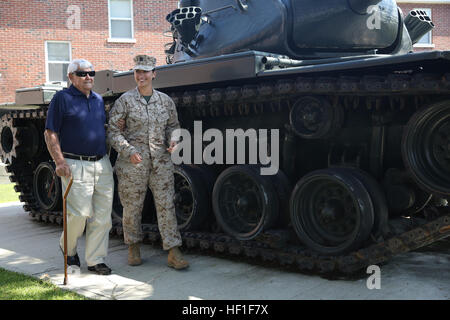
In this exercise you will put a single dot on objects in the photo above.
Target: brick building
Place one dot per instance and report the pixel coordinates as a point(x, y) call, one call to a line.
point(39, 37)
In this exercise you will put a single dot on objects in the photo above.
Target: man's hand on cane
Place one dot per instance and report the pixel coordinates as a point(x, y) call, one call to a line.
point(63, 169)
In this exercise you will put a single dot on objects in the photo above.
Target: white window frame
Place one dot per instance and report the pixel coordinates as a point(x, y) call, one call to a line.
point(47, 72)
point(126, 40)
point(430, 44)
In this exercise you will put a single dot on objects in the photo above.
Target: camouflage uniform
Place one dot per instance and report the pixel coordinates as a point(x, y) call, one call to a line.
point(148, 131)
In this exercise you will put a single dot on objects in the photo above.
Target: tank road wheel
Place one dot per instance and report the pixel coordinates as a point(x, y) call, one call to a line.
point(191, 197)
point(244, 202)
point(331, 211)
point(315, 118)
point(8, 140)
point(379, 201)
point(47, 187)
point(426, 148)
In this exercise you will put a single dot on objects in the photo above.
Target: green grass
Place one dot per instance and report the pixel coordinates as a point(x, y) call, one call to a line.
point(16, 286)
point(7, 193)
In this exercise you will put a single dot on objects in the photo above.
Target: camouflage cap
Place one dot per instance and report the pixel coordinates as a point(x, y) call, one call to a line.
point(144, 62)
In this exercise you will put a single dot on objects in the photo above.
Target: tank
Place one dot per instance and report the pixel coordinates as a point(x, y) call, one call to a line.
point(313, 136)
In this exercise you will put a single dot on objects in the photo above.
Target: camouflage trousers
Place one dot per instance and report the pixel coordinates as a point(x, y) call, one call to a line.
point(133, 181)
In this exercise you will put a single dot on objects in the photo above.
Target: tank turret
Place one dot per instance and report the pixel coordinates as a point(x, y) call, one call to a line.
point(298, 29)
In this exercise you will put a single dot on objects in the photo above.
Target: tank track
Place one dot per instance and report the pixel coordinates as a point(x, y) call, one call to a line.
point(271, 245)
point(355, 92)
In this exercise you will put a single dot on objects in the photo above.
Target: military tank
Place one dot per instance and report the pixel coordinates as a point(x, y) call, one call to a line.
point(358, 158)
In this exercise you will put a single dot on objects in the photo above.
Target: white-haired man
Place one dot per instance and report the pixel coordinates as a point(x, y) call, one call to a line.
point(76, 139)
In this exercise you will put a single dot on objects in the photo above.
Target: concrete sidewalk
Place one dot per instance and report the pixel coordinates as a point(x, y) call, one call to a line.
point(30, 247)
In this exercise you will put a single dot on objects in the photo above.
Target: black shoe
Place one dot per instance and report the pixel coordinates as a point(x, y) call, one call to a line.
point(101, 269)
point(72, 260)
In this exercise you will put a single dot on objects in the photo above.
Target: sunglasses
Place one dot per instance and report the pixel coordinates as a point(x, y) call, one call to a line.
point(84, 73)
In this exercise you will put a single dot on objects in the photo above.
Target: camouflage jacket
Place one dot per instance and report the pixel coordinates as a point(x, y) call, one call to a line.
point(149, 126)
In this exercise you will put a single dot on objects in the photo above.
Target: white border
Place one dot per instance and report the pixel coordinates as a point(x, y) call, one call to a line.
point(125, 40)
point(64, 83)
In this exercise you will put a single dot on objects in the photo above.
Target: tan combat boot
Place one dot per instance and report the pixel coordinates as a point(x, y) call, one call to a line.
point(134, 254)
point(175, 259)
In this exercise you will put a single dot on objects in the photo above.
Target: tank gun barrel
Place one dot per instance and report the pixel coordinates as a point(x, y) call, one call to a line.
point(186, 20)
point(418, 24)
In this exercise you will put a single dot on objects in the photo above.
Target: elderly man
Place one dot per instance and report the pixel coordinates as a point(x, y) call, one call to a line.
point(144, 160)
point(76, 139)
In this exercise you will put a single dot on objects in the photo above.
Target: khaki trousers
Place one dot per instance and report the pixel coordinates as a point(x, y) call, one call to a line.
point(89, 204)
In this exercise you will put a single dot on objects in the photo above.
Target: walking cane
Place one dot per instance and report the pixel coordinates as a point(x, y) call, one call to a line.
point(65, 227)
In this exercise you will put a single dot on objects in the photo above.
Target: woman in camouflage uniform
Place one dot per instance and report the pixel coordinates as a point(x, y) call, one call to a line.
point(144, 148)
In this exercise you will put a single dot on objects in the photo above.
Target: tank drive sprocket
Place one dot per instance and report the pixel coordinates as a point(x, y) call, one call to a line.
point(8, 138)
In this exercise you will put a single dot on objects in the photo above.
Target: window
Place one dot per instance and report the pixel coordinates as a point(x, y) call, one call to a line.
point(427, 39)
point(120, 20)
point(57, 57)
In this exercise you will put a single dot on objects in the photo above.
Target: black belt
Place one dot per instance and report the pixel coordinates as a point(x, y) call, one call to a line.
point(79, 157)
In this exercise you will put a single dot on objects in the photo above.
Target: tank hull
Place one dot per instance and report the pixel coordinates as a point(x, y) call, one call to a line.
point(378, 97)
